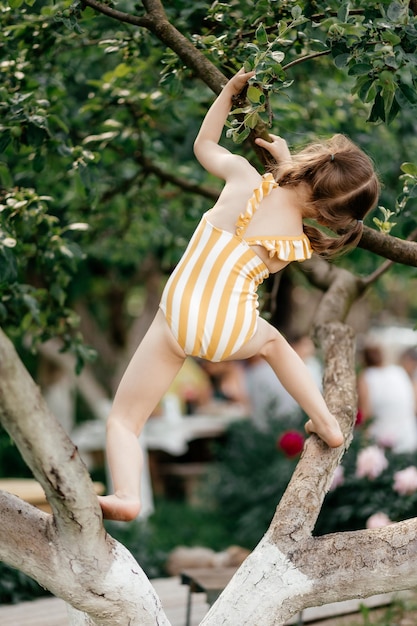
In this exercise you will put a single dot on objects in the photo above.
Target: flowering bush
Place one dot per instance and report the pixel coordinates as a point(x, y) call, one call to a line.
point(378, 520)
point(291, 442)
point(254, 468)
point(372, 488)
point(371, 462)
point(405, 481)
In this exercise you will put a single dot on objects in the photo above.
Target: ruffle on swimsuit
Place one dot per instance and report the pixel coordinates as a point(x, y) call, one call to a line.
point(285, 248)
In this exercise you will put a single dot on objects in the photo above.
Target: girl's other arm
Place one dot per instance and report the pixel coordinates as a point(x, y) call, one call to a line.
point(277, 148)
point(213, 157)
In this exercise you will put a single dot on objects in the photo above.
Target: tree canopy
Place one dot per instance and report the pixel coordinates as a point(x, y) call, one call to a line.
point(100, 107)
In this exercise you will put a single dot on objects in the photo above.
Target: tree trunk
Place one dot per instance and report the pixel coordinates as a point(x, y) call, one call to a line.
point(67, 552)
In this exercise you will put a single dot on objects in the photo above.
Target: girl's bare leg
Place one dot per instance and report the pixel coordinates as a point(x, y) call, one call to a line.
point(147, 377)
point(297, 380)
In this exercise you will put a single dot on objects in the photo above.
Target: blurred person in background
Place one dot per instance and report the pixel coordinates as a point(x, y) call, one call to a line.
point(268, 397)
point(408, 360)
point(386, 398)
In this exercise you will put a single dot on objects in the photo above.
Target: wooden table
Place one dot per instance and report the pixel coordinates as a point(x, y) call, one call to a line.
point(29, 490)
point(208, 580)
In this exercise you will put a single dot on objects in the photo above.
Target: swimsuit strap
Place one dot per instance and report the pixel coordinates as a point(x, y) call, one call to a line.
point(268, 183)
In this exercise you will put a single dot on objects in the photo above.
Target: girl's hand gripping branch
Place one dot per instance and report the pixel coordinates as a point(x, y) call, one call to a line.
point(277, 147)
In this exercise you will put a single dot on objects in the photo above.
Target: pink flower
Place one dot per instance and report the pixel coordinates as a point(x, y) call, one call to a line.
point(291, 443)
point(405, 481)
point(378, 520)
point(386, 441)
point(338, 478)
point(371, 462)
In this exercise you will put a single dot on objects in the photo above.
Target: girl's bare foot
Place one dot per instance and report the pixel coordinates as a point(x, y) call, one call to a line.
point(329, 433)
point(121, 509)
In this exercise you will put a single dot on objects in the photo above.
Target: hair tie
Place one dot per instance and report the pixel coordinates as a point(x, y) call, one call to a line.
point(332, 157)
point(360, 221)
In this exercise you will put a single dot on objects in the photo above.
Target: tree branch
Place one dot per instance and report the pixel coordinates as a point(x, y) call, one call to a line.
point(397, 250)
point(376, 275)
point(17, 547)
point(382, 555)
point(271, 586)
point(183, 183)
point(341, 288)
point(45, 447)
point(308, 57)
point(301, 503)
point(120, 16)
point(157, 23)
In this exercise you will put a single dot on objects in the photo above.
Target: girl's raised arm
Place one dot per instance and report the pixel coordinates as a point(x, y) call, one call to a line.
point(213, 157)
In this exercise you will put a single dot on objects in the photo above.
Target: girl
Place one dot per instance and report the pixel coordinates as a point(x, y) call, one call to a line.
point(209, 305)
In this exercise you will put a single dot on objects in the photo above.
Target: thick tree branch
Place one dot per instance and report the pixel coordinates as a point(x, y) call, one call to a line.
point(46, 449)
point(120, 16)
point(317, 571)
point(301, 503)
point(341, 288)
point(397, 250)
point(389, 563)
point(157, 23)
point(17, 547)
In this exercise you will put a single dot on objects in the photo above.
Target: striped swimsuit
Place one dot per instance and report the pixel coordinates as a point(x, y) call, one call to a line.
point(210, 300)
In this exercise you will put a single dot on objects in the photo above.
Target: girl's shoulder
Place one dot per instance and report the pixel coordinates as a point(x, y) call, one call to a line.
point(237, 168)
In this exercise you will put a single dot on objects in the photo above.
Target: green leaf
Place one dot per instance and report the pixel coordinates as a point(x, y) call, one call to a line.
point(8, 265)
point(5, 139)
point(409, 94)
point(393, 112)
point(38, 163)
point(409, 168)
point(32, 305)
point(296, 12)
point(5, 175)
point(397, 10)
point(341, 60)
point(343, 12)
point(254, 94)
point(251, 120)
point(261, 36)
point(377, 111)
point(240, 137)
point(359, 68)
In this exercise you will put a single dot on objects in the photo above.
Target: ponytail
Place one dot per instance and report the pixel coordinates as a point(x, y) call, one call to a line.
point(342, 187)
point(329, 247)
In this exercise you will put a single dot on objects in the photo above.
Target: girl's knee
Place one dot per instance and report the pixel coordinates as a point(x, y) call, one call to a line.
point(117, 422)
point(271, 343)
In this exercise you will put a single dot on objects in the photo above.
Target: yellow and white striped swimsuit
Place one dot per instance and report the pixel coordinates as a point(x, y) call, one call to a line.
point(210, 300)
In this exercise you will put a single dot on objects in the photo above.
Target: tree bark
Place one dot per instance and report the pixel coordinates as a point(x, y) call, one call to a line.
point(67, 552)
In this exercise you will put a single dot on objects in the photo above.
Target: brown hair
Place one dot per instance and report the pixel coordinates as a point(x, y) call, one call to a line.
point(373, 356)
point(343, 188)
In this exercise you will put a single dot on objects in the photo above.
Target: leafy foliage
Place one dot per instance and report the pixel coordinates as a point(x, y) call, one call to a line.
point(253, 473)
point(350, 504)
point(17, 587)
point(173, 523)
point(100, 116)
point(33, 243)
